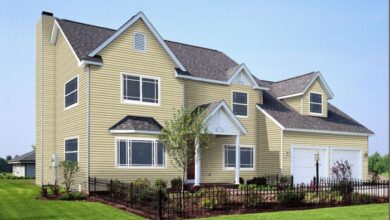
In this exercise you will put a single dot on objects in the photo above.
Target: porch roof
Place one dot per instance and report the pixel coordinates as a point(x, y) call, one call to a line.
point(136, 124)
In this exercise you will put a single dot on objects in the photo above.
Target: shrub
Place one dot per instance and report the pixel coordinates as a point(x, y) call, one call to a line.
point(291, 197)
point(259, 181)
point(241, 180)
point(176, 184)
point(43, 191)
point(363, 198)
point(208, 203)
point(54, 188)
point(69, 170)
point(323, 197)
point(141, 183)
point(160, 184)
point(344, 187)
point(252, 199)
point(73, 196)
point(219, 194)
point(342, 170)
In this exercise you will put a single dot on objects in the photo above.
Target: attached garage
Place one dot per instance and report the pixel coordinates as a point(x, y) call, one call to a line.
point(303, 164)
point(353, 157)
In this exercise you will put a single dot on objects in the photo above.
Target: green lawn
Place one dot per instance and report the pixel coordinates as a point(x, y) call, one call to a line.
point(363, 212)
point(17, 201)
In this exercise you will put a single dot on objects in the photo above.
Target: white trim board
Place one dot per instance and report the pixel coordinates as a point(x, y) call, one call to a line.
point(139, 15)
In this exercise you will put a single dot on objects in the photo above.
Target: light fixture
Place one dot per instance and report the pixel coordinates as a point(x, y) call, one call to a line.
point(317, 156)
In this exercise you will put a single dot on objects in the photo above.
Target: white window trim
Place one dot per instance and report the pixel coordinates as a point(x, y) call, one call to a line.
point(139, 167)
point(78, 147)
point(144, 50)
point(133, 102)
point(322, 104)
point(247, 104)
point(234, 168)
point(77, 90)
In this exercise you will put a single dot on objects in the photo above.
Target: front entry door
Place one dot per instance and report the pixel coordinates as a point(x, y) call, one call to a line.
point(191, 171)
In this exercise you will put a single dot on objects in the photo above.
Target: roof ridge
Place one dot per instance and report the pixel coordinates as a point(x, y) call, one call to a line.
point(191, 45)
point(78, 22)
point(294, 77)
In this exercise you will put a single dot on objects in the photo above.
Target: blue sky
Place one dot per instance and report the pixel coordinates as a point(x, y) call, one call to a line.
point(346, 40)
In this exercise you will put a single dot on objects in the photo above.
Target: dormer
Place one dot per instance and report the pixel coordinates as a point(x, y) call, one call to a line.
point(307, 94)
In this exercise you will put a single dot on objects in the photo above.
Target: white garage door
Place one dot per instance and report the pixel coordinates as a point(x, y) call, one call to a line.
point(303, 164)
point(353, 158)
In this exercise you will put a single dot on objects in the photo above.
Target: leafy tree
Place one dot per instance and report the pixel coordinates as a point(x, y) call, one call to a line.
point(69, 170)
point(342, 170)
point(179, 136)
point(378, 164)
point(7, 158)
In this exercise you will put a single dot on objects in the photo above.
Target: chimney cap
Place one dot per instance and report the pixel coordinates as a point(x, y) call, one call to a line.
point(47, 13)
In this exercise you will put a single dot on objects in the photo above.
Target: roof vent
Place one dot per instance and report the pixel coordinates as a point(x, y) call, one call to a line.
point(139, 41)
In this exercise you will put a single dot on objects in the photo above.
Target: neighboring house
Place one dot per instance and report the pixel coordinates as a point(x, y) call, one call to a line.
point(103, 96)
point(24, 165)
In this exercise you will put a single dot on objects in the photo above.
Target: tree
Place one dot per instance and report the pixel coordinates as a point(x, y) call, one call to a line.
point(69, 170)
point(378, 164)
point(179, 136)
point(342, 170)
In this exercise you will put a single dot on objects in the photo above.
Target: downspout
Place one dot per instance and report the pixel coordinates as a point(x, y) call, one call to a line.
point(88, 123)
point(42, 176)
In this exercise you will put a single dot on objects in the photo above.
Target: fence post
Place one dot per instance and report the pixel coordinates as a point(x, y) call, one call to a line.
point(94, 185)
point(292, 181)
point(160, 200)
point(111, 191)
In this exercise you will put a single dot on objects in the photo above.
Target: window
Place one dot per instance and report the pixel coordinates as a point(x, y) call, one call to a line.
point(71, 149)
point(140, 153)
point(240, 103)
point(140, 89)
point(246, 156)
point(71, 96)
point(315, 103)
point(139, 41)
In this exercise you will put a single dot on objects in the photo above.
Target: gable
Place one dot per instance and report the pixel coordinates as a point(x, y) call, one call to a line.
point(242, 79)
point(220, 123)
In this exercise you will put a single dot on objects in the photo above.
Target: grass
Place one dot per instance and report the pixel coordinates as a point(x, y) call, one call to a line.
point(363, 212)
point(18, 201)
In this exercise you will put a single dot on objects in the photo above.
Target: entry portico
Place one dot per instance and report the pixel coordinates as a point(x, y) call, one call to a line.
point(220, 121)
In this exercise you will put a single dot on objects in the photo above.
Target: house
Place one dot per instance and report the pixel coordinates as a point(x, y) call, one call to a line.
point(24, 165)
point(103, 96)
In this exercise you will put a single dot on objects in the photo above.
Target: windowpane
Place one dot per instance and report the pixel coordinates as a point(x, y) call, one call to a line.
point(240, 97)
point(160, 154)
point(315, 108)
point(71, 145)
point(149, 90)
point(131, 88)
point(240, 109)
point(246, 157)
point(71, 156)
point(141, 153)
point(316, 98)
point(122, 152)
point(71, 99)
point(71, 86)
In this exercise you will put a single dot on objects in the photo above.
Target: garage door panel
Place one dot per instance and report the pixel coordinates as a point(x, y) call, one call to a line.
point(303, 164)
point(353, 158)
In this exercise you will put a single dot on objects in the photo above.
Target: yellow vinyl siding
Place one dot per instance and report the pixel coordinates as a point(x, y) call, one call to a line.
point(45, 121)
point(296, 103)
point(198, 93)
point(73, 121)
point(269, 146)
point(107, 109)
point(324, 140)
point(315, 87)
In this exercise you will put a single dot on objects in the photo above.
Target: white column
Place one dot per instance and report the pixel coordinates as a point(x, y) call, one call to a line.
point(238, 162)
point(197, 162)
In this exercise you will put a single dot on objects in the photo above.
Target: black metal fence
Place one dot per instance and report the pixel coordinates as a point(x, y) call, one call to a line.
point(225, 199)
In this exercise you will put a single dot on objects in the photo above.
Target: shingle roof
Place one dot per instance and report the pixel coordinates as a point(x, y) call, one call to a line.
point(25, 158)
point(203, 62)
point(289, 118)
point(293, 85)
point(137, 123)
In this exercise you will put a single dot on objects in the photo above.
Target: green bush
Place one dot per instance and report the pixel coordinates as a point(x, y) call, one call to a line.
point(176, 183)
point(160, 184)
point(252, 199)
point(44, 191)
point(73, 196)
point(208, 203)
point(219, 194)
point(323, 197)
point(141, 183)
point(259, 181)
point(291, 197)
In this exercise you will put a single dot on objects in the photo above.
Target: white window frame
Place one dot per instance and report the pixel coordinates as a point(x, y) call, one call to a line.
point(247, 103)
point(140, 102)
point(234, 168)
point(78, 147)
point(316, 103)
point(77, 90)
point(138, 50)
point(128, 166)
